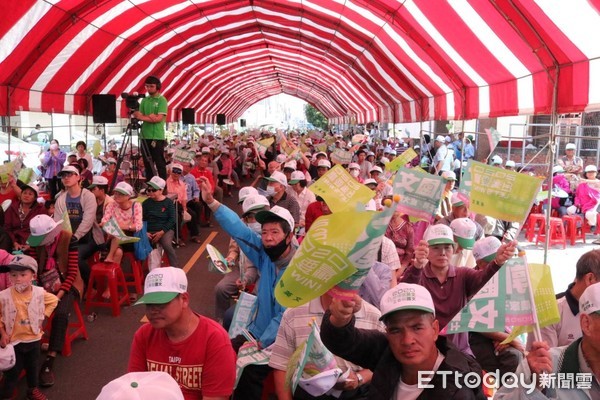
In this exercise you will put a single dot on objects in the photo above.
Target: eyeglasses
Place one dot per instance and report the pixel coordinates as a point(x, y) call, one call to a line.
point(150, 85)
point(66, 174)
point(149, 190)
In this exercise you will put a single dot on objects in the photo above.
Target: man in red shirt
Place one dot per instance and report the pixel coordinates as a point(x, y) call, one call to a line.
point(202, 170)
point(194, 350)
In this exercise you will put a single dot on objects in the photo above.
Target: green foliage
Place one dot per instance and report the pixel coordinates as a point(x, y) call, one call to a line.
point(314, 116)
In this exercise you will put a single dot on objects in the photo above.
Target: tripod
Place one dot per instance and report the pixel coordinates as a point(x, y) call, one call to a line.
point(136, 182)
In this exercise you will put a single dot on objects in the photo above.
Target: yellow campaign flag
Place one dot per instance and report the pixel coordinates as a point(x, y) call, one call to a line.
point(97, 149)
point(321, 147)
point(66, 222)
point(322, 261)
point(6, 170)
point(340, 190)
point(498, 193)
point(544, 298)
point(401, 160)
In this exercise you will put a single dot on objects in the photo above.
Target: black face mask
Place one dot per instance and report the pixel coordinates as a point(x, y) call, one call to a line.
point(276, 251)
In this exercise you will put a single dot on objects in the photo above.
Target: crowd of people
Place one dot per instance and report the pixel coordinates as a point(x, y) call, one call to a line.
point(382, 339)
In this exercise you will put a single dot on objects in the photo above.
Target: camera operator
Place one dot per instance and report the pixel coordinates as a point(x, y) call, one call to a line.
point(153, 112)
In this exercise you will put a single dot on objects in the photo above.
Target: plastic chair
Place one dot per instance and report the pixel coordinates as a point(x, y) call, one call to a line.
point(74, 330)
point(101, 274)
point(557, 233)
point(532, 226)
point(574, 232)
point(137, 274)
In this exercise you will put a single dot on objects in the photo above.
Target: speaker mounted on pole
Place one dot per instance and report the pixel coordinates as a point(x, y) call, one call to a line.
point(104, 108)
point(221, 120)
point(242, 123)
point(188, 116)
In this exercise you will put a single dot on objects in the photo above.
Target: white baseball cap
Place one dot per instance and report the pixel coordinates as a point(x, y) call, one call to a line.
point(440, 138)
point(496, 160)
point(177, 166)
point(68, 168)
point(275, 213)
point(510, 163)
point(321, 383)
point(570, 146)
point(278, 176)
point(353, 165)
point(406, 296)
point(245, 192)
point(43, 230)
point(281, 158)
point(205, 150)
point(7, 357)
point(98, 180)
point(162, 285)
point(589, 302)
point(557, 168)
point(449, 175)
point(125, 188)
point(296, 177)
point(142, 386)
point(486, 248)
point(111, 160)
point(439, 234)
point(157, 182)
point(292, 164)
point(376, 169)
point(464, 232)
point(590, 168)
point(254, 202)
point(324, 164)
point(370, 181)
point(459, 199)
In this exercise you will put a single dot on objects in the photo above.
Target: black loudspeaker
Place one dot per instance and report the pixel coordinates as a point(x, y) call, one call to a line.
point(221, 119)
point(242, 123)
point(104, 108)
point(188, 116)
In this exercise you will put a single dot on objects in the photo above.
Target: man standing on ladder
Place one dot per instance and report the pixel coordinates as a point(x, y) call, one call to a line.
point(153, 114)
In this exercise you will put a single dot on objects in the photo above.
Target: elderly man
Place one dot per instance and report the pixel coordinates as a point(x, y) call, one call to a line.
point(278, 195)
point(572, 371)
point(193, 349)
point(402, 359)
point(572, 165)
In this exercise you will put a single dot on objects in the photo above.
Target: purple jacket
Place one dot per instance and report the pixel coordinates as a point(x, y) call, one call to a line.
point(53, 164)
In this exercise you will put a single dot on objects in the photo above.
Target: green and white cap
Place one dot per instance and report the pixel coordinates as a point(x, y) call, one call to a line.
point(486, 248)
point(406, 296)
point(439, 234)
point(162, 285)
point(464, 232)
point(589, 302)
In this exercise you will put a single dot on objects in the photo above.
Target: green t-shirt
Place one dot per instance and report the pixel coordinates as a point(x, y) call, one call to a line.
point(153, 105)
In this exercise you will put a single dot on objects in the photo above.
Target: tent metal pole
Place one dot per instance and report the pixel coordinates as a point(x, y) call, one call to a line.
point(552, 156)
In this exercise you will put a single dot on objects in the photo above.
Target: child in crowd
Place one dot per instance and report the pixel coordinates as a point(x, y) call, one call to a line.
point(23, 308)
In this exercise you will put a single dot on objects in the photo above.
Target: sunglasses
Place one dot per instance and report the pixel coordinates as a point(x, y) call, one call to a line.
point(149, 190)
point(66, 174)
point(176, 171)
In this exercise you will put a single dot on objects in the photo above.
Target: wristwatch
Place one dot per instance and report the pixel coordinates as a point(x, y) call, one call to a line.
point(360, 379)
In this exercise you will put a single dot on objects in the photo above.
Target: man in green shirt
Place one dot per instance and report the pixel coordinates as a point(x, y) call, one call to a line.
point(153, 114)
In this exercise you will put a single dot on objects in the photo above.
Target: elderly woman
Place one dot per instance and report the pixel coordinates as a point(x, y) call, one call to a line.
point(18, 215)
point(159, 212)
point(400, 231)
point(128, 214)
point(587, 196)
point(52, 163)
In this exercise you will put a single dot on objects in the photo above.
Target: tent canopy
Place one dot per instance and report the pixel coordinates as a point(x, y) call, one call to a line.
point(355, 60)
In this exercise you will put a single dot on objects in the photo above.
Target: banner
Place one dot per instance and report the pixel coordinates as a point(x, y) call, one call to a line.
point(498, 193)
point(314, 359)
point(401, 160)
point(242, 314)
point(341, 156)
point(505, 300)
point(26, 175)
point(420, 193)
point(340, 190)
point(493, 137)
point(6, 170)
point(112, 228)
point(544, 298)
point(250, 354)
point(217, 263)
point(183, 156)
point(96, 149)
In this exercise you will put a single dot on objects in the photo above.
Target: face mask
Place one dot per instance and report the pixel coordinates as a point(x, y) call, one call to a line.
point(354, 173)
point(256, 227)
point(276, 251)
point(21, 287)
point(270, 190)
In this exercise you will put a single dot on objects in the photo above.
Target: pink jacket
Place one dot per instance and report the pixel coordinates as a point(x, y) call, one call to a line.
point(5, 258)
point(561, 182)
point(586, 198)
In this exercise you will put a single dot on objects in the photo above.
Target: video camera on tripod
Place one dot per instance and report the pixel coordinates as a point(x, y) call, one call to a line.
point(132, 100)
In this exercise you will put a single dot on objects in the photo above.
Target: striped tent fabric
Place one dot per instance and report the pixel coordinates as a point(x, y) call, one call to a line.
point(354, 60)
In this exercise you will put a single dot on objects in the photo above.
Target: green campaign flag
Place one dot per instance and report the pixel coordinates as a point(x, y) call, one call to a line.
point(244, 311)
point(96, 149)
point(183, 156)
point(498, 193)
point(341, 156)
point(112, 228)
point(401, 160)
point(321, 147)
point(26, 175)
point(505, 300)
point(420, 193)
point(263, 145)
point(544, 298)
point(340, 190)
point(66, 222)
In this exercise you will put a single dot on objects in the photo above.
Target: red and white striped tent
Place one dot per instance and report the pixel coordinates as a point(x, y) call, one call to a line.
point(354, 60)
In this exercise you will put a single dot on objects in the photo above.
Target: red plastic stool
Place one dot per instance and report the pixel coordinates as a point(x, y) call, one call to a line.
point(136, 273)
point(74, 330)
point(113, 274)
point(532, 226)
point(557, 233)
point(573, 232)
